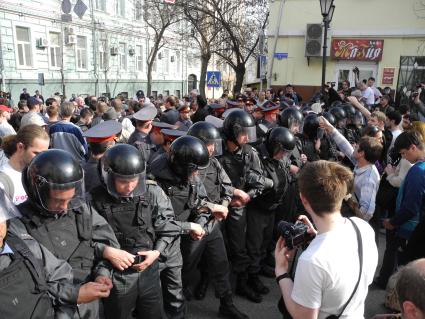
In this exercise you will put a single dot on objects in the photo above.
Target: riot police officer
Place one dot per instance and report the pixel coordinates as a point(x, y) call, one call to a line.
point(34, 283)
point(278, 145)
point(310, 140)
point(176, 173)
point(219, 191)
point(292, 119)
point(57, 215)
point(139, 213)
point(242, 164)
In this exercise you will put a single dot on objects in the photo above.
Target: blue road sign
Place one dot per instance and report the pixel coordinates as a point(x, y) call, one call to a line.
point(213, 79)
point(281, 55)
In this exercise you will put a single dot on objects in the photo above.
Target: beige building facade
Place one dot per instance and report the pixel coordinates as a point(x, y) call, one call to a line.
point(385, 39)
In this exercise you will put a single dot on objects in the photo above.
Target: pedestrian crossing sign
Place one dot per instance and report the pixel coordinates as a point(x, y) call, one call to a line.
point(213, 79)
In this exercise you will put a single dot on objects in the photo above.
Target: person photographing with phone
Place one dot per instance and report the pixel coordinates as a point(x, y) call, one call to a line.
point(333, 274)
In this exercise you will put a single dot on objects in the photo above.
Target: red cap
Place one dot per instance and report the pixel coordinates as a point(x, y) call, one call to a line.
point(5, 108)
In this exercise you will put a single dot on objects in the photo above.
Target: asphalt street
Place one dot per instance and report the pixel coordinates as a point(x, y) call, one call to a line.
point(208, 308)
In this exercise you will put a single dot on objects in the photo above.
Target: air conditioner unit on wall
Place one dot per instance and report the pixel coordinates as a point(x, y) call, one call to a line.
point(114, 51)
point(42, 43)
point(313, 40)
point(70, 39)
point(70, 30)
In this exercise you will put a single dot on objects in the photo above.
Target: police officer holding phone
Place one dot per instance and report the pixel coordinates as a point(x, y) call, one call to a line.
point(142, 218)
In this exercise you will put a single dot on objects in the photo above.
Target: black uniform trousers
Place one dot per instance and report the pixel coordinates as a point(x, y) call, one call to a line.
point(236, 239)
point(212, 248)
point(259, 235)
point(135, 288)
point(171, 283)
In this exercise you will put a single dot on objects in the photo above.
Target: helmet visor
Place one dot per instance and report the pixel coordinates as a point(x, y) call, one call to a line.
point(7, 209)
point(125, 185)
point(218, 146)
point(250, 132)
point(58, 198)
point(294, 125)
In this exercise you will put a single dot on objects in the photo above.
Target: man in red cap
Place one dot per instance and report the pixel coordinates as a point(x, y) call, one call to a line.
point(5, 127)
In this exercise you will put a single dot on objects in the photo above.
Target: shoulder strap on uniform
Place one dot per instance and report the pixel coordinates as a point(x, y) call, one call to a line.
point(18, 246)
point(151, 182)
point(7, 182)
point(84, 224)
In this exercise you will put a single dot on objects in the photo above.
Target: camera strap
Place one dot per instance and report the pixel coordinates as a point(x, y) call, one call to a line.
point(360, 253)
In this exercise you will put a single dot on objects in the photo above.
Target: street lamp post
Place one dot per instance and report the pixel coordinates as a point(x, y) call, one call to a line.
point(327, 8)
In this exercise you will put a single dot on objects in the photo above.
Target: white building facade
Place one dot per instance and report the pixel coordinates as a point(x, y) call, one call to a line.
point(103, 53)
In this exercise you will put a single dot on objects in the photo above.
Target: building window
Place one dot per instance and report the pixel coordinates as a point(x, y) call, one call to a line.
point(155, 94)
point(166, 57)
point(177, 93)
point(123, 56)
point(139, 58)
point(120, 8)
point(100, 5)
point(55, 50)
point(24, 46)
point(81, 53)
point(166, 93)
point(103, 62)
point(138, 10)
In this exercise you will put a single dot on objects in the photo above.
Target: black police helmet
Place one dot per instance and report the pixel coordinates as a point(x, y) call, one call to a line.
point(336, 103)
point(288, 116)
point(124, 159)
point(278, 139)
point(187, 154)
point(236, 122)
point(208, 134)
point(311, 124)
point(125, 162)
point(338, 113)
point(331, 119)
point(350, 110)
point(53, 169)
point(204, 131)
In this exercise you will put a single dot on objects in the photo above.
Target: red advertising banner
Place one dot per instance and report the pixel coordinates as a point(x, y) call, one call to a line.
point(388, 75)
point(357, 49)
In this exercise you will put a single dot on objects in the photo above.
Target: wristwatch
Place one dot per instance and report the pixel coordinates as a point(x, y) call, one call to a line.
point(283, 276)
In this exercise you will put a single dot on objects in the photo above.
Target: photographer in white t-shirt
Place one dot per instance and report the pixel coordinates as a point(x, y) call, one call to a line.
point(327, 271)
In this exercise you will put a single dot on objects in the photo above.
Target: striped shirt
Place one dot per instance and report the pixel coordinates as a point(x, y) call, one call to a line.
point(366, 178)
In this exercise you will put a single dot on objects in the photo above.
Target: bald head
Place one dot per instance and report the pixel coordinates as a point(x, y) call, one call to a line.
point(411, 289)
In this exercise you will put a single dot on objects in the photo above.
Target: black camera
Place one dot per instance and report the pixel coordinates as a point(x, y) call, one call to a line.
point(138, 259)
point(295, 235)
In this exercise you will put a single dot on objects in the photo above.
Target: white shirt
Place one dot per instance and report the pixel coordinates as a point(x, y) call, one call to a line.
point(328, 269)
point(369, 96)
point(19, 195)
point(6, 129)
point(395, 133)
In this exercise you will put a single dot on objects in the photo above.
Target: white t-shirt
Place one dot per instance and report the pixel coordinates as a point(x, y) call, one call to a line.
point(19, 195)
point(369, 96)
point(328, 269)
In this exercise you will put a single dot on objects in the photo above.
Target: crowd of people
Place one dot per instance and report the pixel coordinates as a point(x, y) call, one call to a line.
point(110, 206)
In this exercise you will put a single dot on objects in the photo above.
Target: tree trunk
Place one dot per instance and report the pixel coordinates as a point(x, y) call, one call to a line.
point(240, 75)
point(205, 58)
point(149, 85)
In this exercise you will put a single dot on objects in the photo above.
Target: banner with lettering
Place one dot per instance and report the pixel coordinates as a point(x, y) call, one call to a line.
point(357, 49)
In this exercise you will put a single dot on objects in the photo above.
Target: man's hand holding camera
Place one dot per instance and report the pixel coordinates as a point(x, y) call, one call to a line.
point(284, 252)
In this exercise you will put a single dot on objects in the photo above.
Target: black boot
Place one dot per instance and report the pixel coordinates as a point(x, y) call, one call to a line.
point(244, 290)
point(257, 285)
point(201, 288)
point(228, 309)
